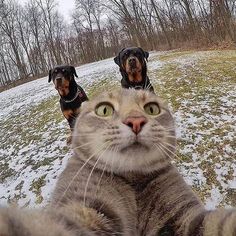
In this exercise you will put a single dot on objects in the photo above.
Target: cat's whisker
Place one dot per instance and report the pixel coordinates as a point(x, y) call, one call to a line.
point(120, 164)
point(89, 135)
point(112, 161)
point(156, 129)
point(163, 151)
point(147, 86)
point(83, 135)
point(170, 136)
point(101, 175)
point(168, 150)
point(116, 233)
point(169, 130)
point(91, 172)
point(73, 116)
point(85, 144)
point(169, 127)
point(77, 173)
point(168, 144)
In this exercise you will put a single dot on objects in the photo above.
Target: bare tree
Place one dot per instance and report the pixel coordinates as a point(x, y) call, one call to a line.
point(34, 18)
point(50, 16)
point(8, 25)
point(35, 37)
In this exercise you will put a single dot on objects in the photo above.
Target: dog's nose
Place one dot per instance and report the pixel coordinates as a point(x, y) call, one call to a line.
point(135, 123)
point(132, 60)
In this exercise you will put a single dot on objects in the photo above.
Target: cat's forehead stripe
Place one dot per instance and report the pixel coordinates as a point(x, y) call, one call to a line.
point(110, 95)
point(143, 97)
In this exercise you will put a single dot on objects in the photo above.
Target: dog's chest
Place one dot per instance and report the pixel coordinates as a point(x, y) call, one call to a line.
point(73, 105)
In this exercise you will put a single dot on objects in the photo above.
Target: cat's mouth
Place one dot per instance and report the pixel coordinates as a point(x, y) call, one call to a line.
point(135, 146)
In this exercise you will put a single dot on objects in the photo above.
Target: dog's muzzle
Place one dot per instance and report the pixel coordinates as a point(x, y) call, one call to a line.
point(58, 80)
point(132, 62)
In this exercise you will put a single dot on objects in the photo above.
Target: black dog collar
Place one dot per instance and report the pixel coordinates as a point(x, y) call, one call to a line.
point(71, 100)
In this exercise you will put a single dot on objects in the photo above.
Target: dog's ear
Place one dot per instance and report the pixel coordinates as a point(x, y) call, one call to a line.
point(145, 54)
point(49, 75)
point(73, 71)
point(117, 58)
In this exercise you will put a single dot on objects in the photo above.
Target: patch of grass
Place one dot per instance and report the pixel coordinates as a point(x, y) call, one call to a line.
point(36, 188)
point(19, 186)
point(209, 172)
point(172, 55)
point(44, 162)
point(35, 118)
point(106, 84)
point(231, 197)
point(6, 171)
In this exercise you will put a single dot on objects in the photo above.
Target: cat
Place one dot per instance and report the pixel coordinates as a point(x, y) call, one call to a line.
point(120, 179)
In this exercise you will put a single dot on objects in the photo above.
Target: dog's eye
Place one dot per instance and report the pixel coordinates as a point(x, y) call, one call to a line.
point(63, 70)
point(152, 109)
point(55, 71)
point(104, 110)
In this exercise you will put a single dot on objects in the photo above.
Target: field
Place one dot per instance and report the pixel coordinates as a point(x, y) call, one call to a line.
point(200, 88)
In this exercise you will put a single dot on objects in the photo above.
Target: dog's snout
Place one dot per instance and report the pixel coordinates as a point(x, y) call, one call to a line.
point(132, 60)
point(58, 82)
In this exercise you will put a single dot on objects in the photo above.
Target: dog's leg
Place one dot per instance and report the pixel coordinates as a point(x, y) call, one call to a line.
point(69, 138)
point(71, 117)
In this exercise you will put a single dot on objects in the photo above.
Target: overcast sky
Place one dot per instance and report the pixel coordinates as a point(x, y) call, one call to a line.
point(65, 7)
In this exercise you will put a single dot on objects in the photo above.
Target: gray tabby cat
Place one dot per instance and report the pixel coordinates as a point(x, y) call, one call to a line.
point(120, 180)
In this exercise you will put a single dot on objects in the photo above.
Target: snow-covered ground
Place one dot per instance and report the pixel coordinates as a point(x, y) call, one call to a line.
point(33, 149)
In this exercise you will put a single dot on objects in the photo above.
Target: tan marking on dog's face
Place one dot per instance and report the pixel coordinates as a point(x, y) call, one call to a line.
point(129, 69)
point(62, 86)
point(61, 79)
point(134, 72)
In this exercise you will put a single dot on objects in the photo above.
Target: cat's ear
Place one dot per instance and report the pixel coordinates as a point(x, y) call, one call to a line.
point(49, 75)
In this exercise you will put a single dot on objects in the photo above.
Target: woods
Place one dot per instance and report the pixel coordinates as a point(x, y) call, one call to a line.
point(35, 37)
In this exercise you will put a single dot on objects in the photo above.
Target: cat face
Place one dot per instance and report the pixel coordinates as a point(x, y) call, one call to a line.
point(125, 130)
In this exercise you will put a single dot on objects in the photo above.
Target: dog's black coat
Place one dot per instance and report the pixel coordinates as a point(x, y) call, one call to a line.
point(141, 56)
point(71, 102)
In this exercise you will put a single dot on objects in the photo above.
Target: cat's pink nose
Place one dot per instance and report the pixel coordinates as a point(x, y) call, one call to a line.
point(135, 123)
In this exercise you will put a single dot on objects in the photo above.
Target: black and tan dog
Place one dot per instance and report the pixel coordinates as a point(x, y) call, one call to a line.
point(72, 95)
point(133, 68)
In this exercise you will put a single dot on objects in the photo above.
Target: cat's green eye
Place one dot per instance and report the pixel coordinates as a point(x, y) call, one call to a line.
point(104, 110)
point(152, 109)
